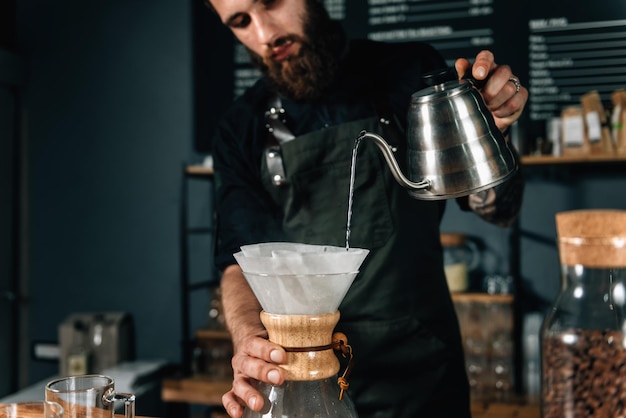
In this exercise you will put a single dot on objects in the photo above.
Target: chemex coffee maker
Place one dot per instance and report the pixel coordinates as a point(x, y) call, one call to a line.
point(300, 287)
point(454, 146)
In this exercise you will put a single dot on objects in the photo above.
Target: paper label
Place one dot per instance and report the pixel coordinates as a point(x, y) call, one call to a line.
point(573, 128)
point(594, 127)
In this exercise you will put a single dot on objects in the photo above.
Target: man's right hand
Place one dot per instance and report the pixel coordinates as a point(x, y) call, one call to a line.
point(256, 358)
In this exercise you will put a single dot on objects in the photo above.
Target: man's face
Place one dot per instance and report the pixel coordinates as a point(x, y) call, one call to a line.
point(290, 40)
point(271, 29)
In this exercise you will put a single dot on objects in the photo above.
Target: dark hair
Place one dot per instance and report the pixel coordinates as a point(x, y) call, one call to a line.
point(208, 4)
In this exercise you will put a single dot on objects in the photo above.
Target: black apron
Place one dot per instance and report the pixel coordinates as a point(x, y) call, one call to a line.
point(398, 314)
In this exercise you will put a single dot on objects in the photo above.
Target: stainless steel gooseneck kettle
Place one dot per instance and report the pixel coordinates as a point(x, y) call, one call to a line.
point(454, 146)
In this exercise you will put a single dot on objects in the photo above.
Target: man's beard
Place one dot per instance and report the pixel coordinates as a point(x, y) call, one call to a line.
point(308, 74)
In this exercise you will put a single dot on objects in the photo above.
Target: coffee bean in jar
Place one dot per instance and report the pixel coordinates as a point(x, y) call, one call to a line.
point(584, 374)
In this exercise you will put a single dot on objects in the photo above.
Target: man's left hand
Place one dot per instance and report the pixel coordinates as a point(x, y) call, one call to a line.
point(504, 96)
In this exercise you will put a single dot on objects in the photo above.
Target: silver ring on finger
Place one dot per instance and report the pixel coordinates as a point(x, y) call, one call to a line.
point(516, 83)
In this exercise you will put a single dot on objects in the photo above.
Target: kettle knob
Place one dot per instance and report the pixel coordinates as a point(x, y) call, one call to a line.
point(440, 76)
point(444, 75)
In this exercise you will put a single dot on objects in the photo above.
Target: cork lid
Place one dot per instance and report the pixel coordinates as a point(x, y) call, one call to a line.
point(452, 239)
point(594, 238)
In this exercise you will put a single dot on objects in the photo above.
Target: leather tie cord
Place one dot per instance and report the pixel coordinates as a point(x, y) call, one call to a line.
point(338, 344)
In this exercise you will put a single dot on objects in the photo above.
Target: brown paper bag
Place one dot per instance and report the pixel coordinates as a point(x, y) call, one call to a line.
point(596, 124)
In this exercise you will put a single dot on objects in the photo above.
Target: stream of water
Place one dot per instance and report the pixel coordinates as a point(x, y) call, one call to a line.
point(355, 150)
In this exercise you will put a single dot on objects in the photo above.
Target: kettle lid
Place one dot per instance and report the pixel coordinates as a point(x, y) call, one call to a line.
point(442, 90)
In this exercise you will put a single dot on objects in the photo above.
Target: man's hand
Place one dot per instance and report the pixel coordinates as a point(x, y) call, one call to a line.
point(503, 94)
point(255, 358)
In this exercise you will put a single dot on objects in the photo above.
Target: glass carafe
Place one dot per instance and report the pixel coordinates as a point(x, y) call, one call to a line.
point(583, 336)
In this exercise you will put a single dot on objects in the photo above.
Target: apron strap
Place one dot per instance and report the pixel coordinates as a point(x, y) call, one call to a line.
point(274, 121)
point(280, 134)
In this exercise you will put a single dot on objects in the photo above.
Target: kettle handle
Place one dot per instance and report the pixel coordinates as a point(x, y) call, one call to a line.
point(443, 75)
point(387, 151)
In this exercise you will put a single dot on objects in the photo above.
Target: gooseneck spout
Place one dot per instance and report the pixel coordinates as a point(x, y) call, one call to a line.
point(387, 151)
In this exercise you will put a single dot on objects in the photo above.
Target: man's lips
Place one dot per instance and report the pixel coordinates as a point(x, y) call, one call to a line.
point(280, 53)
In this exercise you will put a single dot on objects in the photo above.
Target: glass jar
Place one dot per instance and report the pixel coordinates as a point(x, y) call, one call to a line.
point(460, 256)
point(583, 344)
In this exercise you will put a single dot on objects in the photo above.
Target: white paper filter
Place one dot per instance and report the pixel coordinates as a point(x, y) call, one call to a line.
point(299, 279)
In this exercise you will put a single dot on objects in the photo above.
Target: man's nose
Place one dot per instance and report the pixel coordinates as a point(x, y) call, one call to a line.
point(267, 30)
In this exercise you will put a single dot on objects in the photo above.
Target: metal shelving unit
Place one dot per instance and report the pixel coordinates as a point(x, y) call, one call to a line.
point(187, 286)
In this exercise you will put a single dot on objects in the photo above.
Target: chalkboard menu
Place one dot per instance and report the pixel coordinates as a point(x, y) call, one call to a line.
point(559, 49)
point(572, 53)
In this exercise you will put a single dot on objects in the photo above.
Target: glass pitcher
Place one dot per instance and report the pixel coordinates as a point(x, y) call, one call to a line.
point(583, 336)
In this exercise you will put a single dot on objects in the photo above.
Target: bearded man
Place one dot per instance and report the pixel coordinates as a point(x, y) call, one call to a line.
point(318, 91)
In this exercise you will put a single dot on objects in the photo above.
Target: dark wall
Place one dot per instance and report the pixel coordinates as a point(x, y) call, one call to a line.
point(8, 221)
point(109, 111)
point(7, 24)
point(213, 74)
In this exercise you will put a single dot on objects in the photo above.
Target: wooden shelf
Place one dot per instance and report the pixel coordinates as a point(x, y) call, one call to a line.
point(572, 159)
point(482, 298)
point(201, 390)
point(212, 334)
point(199, 170)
